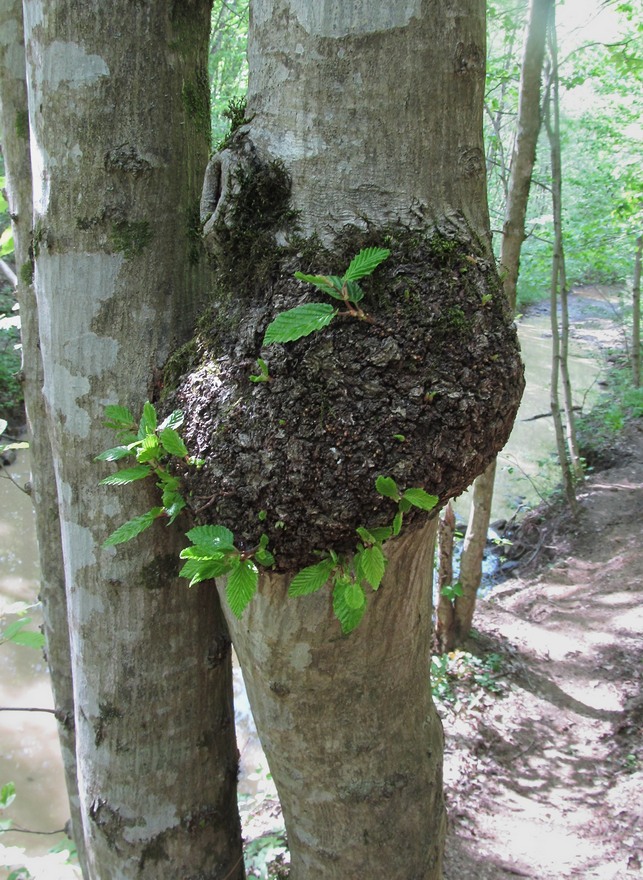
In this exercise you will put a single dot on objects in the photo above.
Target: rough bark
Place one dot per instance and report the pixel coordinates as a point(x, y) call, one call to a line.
point(364, 128)
point(15, 148)
point(513, 235)
point(119, 123)
point(348, 725)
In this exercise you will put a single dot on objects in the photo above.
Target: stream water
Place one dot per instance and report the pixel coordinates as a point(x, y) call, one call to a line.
point(29, 754)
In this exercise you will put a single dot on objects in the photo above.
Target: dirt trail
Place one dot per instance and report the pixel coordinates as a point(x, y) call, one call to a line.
point(546, 780)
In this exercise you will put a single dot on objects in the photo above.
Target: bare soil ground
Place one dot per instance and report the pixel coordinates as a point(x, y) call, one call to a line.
point(545, 779)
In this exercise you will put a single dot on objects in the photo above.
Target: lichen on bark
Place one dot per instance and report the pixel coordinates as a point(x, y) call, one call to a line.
point(427, 393)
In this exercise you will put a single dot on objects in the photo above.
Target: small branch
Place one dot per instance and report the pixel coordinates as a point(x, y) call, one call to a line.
point(26, 709)
point(20, 830)
point(8, 272)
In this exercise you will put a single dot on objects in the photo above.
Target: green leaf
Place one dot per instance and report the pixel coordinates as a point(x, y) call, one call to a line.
point(6, 242)
point(214, 537)
point(382, 533)
point(205, 569)
point(330, 284)
point(150, 449)
point(365, 263)
point(265, 558)
point(420, 498)
point(173, 504)
point(298, 322)
point(29, 639)
point(311, 579)
point(348, 617)
point(7, 795)
point(387, 487)
point(11, 630)
point(354, 596)
point(202, 551)
point(366, 536)
point(241, 586)
point(127, 475)
point(354, 291)
point(118, 417)
point(397, 522)
point(172, 443)
point(114, 454)
point(148, 421)
point(174, 420)
point(371, 564)
point(404, 505)
point(133, 527)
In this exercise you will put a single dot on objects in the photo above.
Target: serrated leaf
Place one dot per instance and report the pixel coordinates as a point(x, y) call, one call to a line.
point(348, 617)
point(265, 558)
point(311, 579)
point(127, 475)
point(29, 639)
point(330, 284)
point(382, 533)
point(354, 596)
point(7, 795)
point(214, 537)
point(202, 551)
point(133, 527)
point(114, 454)
point(205, 569)
point(173, 507)
point(371, 564)
point(149, 449)
point(387, 487)
point(241, 586)
point(174, 420)
point(366, 536)
point(405, 505)
point(365, 263)
point(118, 417)
point(354, 291)
point(173, 443)
point(420, 498)
point(397, 522)
point(299, 322)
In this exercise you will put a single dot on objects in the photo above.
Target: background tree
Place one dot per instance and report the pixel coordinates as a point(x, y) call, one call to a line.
point(461, 608)
point(119, 275)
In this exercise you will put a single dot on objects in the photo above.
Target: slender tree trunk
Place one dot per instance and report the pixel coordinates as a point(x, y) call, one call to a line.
point(119, 142)
point(15, 146)
point(636, 314)
point(559, 349)
point(475, 541)
point(445, 614)
point(553, 133)
point(513, 235)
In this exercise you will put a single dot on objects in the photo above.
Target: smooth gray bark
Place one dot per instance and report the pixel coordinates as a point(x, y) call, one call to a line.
point(119, 137)
point(15, 146)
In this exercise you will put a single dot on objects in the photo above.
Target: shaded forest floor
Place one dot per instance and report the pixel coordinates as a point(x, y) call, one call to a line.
point(545, 777)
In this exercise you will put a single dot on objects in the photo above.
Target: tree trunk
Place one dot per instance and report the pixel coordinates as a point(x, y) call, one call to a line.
point(15, 148)
point(475, 541)
point(355, 779)
point(119, 123)
point(364, 129)
point(445, 614)
point(636, 314)
point(559, 349)
point(513, 235)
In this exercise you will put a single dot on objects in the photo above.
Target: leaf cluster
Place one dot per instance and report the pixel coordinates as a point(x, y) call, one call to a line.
point(213, 554)
point(151, 445)
point(310, 317)
point(351, 577)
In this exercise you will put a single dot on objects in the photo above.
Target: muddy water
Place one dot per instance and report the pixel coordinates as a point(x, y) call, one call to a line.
point(28, 743)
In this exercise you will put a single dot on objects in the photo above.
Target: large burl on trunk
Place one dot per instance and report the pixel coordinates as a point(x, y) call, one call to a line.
point(424, 391)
